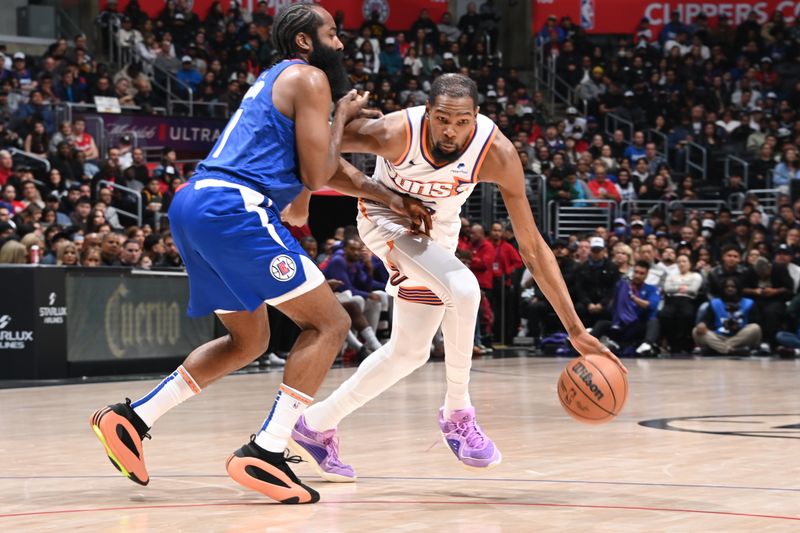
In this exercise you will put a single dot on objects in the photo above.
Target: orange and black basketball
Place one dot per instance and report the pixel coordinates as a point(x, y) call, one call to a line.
point(592, 389)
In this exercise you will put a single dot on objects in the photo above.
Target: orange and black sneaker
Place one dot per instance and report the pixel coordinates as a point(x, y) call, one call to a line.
point(121, 431)
point(269, 473)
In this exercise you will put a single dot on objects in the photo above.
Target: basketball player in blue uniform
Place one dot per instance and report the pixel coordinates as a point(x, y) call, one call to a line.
point(226, 224)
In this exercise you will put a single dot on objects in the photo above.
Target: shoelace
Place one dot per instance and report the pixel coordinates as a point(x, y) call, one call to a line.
point(332, 444)
point(470, 432)
point(294, 459)
point(144, 435)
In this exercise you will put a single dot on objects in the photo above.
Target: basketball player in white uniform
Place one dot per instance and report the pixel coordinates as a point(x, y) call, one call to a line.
point(436, 153)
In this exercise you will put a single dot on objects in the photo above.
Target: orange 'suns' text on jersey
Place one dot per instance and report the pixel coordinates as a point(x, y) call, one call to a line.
point(430, 189)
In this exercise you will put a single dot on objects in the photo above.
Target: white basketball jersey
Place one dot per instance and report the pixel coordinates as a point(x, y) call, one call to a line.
point(443, 188)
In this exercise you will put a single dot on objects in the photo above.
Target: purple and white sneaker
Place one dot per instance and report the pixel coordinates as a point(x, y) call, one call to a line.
point(464, 436)
point(321, 449)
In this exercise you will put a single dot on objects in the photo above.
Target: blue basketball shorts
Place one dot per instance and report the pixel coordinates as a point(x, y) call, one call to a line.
point(237, 253)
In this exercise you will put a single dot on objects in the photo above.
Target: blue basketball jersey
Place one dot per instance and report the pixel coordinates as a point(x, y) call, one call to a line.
point(257, 147)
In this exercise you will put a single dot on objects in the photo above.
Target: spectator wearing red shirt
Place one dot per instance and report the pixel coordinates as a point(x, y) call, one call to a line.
point(482, 257)
point(464, 242)
point(506, 257)
point(603, 188)
point(481, 265)
point(506, 261)
point(6, 166)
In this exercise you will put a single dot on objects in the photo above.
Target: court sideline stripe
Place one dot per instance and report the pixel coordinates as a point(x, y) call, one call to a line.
point(419, 478)
point(411, 502)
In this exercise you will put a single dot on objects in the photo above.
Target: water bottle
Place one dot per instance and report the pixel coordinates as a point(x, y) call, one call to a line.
point(35, 254)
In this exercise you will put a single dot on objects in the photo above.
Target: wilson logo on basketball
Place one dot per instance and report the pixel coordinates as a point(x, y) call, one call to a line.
point(586, 377)
point(430, 189)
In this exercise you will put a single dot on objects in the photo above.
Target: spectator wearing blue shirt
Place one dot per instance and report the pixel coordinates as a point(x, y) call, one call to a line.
point(22, 73)
point(730, 322)
point(636, 150)
point(36, 106)
point(788, 169)
point(634, 312)
point(551, 32)
point(350, 267)
point(671, 29)
point(68, 90)
point(188, 75)
point(390, 58)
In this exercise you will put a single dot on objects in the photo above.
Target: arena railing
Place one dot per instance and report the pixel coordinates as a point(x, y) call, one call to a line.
point(655, 136)
point(692, 148)
point(160, 78)
point(613, 122)
point(640, 207)
point(767, 199)
point(738, 166)
point(700, 206)
point(570, 220)
point(31, 160)
point(191, 105)
point(735, 202)
point(557, 88)
point(131, 192)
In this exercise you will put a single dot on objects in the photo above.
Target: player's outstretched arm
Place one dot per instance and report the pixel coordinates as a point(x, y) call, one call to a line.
point(352, 182)
point(318, 143)
point(503, 167)
point(385, 136)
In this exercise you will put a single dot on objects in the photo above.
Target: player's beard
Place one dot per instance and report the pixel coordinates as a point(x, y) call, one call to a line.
point(440, 155)
point(331, 62)
point(446, 157)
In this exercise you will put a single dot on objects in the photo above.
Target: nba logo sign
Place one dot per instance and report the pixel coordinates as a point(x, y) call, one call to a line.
point(283, 268)
point(587, 14)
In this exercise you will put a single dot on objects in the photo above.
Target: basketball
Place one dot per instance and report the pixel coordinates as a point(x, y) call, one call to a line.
point(592, 389)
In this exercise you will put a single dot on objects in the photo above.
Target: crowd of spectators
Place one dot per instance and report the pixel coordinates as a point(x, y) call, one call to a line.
point(641, 284)
point(674, 278)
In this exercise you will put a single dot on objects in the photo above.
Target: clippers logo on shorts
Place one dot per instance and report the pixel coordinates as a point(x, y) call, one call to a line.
point(283, 268)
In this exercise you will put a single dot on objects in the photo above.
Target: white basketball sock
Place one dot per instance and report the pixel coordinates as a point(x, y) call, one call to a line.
point(372, 342)
point(353, 341)
point(277, 428)
point(407, 350)
point(172, 391)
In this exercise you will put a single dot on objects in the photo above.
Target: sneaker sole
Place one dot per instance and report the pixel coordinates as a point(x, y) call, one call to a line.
point(476, 468)
point(115, 449)
point(287, 492)
point(297, 449)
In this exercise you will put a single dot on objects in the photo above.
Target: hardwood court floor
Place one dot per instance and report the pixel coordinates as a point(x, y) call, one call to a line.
point(734, 469)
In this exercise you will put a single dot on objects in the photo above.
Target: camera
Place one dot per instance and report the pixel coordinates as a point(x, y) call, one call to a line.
point(733, 323)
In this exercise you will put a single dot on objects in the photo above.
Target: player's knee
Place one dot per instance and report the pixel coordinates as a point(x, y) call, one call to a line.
point(253, 344)
point(465, 291)
point(340, 324)
point(420, 357)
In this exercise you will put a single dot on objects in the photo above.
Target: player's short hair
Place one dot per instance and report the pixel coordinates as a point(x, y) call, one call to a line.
point(294, 19)
point(454, 86)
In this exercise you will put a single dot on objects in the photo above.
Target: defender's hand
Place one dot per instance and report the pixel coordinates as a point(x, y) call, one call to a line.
point(351, 105)
point(415, 210)
point(585, 344)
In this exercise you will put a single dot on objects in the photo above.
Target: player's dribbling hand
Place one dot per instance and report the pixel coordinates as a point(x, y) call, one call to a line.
point(585, 344)
point(350, 105)
point(415, 210)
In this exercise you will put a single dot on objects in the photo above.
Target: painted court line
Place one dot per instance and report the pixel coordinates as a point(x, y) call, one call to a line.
point(470, 479)
point(411, 502)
